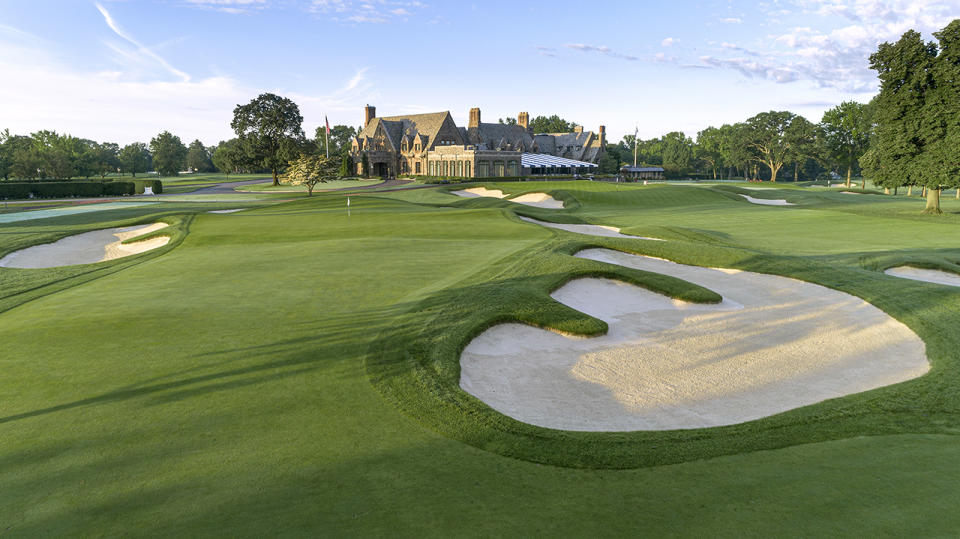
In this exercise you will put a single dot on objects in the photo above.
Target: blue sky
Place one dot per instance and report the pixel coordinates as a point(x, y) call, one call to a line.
point(124, 70)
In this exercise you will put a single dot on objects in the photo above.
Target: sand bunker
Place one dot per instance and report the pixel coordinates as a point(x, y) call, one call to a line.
point(474, 192)
point(767, 202)
point(926, 275)
point(540, 200)
point(849, 193)
point(226, 211)
point(589, 230)
point(772, 345)
point(87, 248)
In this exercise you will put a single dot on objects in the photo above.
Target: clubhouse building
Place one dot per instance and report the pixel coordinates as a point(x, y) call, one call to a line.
point(433, 145)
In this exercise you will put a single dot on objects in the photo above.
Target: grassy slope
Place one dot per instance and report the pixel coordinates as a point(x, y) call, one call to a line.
point(287, 188)
point(118, 416)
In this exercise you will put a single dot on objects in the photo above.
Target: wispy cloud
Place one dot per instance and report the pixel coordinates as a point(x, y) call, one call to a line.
point(365, 11)
point(669, 41)
point(601, 49)
point(235, 7)
point(731, 20)
point(140, 48)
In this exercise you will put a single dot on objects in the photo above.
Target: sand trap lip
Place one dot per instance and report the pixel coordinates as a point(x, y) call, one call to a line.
point(86, 248)
point(925, 275)
point(589, 230)
point(849, 193)
point(227, 211)
point(767, 202)
point(772, 345)
point(540, 200)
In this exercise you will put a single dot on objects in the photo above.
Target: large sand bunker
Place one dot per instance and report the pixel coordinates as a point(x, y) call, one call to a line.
point(589, 230)
point(926, 275)
point(540, 200)
point(767, 201)
point(87, 248)
point(772, 345)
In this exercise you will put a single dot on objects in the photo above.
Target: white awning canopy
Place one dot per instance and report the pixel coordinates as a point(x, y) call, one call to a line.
point(542, 160)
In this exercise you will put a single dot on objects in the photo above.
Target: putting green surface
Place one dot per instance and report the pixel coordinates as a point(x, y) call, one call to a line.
point(291, 369)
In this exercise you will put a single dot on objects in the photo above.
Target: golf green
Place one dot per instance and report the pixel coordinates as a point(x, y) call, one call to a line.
point(292, 369)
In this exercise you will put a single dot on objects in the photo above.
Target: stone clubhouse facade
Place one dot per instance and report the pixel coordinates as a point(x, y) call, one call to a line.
point(433, 145)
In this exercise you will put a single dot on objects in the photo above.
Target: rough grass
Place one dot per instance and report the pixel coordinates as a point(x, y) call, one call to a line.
point(221, 385)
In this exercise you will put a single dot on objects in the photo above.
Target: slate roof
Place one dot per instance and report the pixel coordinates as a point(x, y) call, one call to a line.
point(490, 136)
point(411, 125)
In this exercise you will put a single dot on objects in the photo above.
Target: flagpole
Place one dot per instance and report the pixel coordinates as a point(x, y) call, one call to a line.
point(635, 132)
point(328, 144)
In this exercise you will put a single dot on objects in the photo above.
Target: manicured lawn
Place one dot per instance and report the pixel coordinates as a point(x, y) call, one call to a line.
point(292, 369)
point(287, 188)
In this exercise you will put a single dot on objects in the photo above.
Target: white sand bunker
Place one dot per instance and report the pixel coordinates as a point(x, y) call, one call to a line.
point(926, 275)
point(226, 211)
point(767, 202)
point(772, 345)
point(589, 230)
point(540, 200)
point(87, 248)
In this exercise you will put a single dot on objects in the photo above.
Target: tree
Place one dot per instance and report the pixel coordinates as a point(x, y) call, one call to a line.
point(135, 158)
point(310, 170)
point(198, 157)
point(677, 152)
point(6, 159)
point(365, 165)
point(228, 156)
point(905, 127)
point(846, 135)
point(508, 121)
point(709, 148)
point(341, 137)
point(106, 158)
point(270, 132)
point(802, 140)
point(169, 154)
point(767, 135)
point(552, 124)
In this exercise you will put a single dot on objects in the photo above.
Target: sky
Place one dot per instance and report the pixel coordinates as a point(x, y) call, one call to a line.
point(125, 70)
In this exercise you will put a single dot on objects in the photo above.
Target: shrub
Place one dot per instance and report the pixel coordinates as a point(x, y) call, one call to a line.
point(14, 190)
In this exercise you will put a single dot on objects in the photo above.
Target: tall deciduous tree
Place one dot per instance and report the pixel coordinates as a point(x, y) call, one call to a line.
point(709, 148)
point(228, 156)
point(270, 131)
point(106, 158)
point(135, 157)
point(905, 127)
point(677, 152)
point(551, 124)
point(846, 132)
point(768, 137)
point(802, 139)
point(169, 154)
point(198, 157)
point(340, 139)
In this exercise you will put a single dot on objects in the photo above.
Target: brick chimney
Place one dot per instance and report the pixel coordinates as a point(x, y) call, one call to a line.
point(524, 119)
point(474, 118)
point(578, 129)
point(369, 113)
point(603, 136)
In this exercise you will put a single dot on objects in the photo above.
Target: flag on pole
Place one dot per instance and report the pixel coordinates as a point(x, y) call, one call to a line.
point(327, 140)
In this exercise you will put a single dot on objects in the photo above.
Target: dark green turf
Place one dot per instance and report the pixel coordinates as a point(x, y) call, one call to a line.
point(221, 386)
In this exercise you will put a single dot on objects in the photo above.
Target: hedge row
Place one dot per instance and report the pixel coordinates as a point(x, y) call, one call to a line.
point(16, 190)
point(156, 185)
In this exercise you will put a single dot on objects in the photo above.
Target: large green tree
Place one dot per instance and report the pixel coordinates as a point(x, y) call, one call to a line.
point(270, 131)
point(846, 135)
point(135, 157)
point(906, 128)
point(709, 149)
point(169, 154)
point(767, 135)
point(106, 158)
point(677, 152)
point(341, 137)
point(551, 124)
point(803, 141)
point(228, 156)
point(198, 157)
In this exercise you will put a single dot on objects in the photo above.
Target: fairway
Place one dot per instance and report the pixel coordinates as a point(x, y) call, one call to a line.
point(294, 369)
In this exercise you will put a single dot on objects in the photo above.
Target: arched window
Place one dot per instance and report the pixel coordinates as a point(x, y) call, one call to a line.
point(466, 169)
